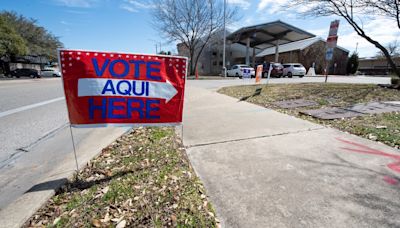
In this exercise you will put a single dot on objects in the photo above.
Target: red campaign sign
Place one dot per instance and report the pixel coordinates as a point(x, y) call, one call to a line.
point(104, 88)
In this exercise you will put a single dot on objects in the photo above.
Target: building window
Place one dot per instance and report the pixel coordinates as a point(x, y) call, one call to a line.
point(215, 63)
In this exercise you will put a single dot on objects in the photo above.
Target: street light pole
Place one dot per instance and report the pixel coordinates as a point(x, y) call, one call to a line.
point(224, 46)
point(351, 7)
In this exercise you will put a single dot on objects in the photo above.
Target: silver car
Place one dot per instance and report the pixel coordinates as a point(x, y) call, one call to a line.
point(50, 73)
point(241, 70)
point(296, 69)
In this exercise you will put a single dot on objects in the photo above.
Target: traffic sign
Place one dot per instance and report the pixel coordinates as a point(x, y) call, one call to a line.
point(333, 29)
point(332, 39)
point(331, 42)
point(329, 54)
point(103, 88)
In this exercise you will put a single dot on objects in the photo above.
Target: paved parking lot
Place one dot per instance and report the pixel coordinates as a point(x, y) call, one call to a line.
point(215, 84)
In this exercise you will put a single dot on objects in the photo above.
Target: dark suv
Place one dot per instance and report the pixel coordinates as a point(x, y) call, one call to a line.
point(25, 72)
point(276, 71)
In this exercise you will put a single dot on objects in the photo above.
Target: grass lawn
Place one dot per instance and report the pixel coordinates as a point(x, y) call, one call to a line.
point(381, 127)
point(143, 179)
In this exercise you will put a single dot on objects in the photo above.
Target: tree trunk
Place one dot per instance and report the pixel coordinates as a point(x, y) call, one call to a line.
point(198, 55)
point(387, 55)
point(5, 67)
point(201, 51)
point(192, 66)
point(2, 67)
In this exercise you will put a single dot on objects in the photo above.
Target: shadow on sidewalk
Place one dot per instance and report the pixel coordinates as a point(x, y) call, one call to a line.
point(63, 185)
point(48, 185)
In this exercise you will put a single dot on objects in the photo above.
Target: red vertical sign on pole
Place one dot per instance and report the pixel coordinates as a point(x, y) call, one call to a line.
point(331, 44)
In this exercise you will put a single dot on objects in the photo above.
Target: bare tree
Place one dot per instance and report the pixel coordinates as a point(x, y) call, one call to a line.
point(190, 22)
point(345, 9)
point(393, 49)
point(387, 8)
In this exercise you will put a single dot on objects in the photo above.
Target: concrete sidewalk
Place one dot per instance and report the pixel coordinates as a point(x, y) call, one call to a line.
point(262, 168)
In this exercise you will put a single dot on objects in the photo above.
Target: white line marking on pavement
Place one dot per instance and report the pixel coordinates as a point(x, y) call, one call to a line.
point(27, 107)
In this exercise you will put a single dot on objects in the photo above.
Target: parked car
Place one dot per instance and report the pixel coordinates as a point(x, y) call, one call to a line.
point(238, 70)
point(50, 73)
point(276, 71)
point(294, 69)
point(25, 72)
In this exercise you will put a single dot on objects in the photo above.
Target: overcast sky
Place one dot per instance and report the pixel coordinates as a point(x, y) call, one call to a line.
point(125, 25)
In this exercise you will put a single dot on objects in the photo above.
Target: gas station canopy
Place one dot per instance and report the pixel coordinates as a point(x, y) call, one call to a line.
point(263, 36)
point(267, 35)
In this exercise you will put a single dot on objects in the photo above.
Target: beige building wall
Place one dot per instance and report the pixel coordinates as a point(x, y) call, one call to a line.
point(314, 54)
point(377, 66)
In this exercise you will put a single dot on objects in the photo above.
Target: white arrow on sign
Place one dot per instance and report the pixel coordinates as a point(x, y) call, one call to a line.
point(125, 88)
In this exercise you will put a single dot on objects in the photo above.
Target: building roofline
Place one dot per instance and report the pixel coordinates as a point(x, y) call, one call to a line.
point(271, 23)
point(315, 40)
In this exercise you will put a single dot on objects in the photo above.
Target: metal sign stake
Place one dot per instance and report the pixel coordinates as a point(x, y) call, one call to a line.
point(182, 134)
point(73, 146)
point(326, 71)
point(269, 72)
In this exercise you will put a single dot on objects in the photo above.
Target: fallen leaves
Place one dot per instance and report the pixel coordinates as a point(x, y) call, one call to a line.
point(106, 218)
point(105, 189)
point(121, 224)
point(143, 179)
point(96, 223)
point(56, 220)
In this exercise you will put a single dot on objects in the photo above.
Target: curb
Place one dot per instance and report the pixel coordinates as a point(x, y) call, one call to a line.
point(18, 212)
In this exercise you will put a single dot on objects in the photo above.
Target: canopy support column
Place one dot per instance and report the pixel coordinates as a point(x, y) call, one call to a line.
point(254, 57)
point(277, 51)
point(247, 51)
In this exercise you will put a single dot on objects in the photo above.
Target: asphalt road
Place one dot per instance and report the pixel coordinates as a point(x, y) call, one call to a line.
point(21, 129)
point(35, 135)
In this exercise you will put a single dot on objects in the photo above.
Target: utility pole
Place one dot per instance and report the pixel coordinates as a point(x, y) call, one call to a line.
point(224, 46)
point(351, 7)
point(156, 42)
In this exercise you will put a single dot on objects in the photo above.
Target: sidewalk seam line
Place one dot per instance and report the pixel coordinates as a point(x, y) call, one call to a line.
point(255, 137)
